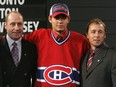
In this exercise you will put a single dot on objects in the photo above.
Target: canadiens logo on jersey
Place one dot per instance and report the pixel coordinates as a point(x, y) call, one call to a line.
point(58, 75)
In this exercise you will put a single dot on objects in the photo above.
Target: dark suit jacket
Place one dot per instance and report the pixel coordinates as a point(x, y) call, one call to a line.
point(20, 76)
point(102, 72)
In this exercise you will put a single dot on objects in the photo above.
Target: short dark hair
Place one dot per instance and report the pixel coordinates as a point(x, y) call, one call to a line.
point(96, 21)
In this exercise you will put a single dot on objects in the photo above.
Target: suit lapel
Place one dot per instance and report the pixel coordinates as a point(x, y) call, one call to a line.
point(5, 45)
point(24, 53)
point(7, 58)
point(98, 59)
point(23, 61)
point(84, 65)
point(7, 51)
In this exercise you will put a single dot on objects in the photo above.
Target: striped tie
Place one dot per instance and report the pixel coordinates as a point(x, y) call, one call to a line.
point(59, 38)
point(90, 59)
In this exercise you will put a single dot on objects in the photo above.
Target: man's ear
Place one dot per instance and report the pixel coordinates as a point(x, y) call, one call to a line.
point(69, 18)
point(50, 18)
point(5, 25)
point(87, 35)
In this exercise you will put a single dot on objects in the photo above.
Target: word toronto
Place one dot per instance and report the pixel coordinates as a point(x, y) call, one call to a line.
point(7, 6)
point(12, 2)
point(4, 6)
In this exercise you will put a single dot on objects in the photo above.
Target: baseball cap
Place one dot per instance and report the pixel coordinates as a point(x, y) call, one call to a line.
point(59, 8)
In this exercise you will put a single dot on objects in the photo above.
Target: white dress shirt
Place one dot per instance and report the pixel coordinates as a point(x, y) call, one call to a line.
point(11, 41)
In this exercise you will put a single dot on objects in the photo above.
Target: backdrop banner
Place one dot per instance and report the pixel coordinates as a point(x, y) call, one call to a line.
point(34, 13)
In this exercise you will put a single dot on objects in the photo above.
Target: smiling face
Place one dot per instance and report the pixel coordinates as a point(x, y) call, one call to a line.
point(96, 35)
point(14, 25)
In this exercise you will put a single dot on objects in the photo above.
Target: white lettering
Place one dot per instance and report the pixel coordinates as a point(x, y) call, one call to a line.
point(2, 2)
point(1, 27)
point(21, 2)
point(36, 24)
point(30, 26)
point(4, 11)
point(12, 2)
point(57, 75)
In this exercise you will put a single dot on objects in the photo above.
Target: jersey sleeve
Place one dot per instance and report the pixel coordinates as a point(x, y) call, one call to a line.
point(34, 36)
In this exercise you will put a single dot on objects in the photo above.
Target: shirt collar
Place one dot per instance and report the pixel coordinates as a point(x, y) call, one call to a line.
point(98, 48)
point(63, 35)
point(10, 41)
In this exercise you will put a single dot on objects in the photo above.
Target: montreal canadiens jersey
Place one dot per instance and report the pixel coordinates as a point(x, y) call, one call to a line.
point(58, 63)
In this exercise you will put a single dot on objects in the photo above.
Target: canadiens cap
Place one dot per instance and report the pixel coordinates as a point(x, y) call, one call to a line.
point(59, 8)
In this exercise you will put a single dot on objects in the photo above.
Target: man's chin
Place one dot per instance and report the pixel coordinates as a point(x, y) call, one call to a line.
point(16, 37)
point(61, 31)
point(98, 45)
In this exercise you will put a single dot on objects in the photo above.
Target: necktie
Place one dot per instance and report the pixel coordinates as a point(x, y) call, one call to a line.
point(90, 59)
point(59, 38)
point(15, 53)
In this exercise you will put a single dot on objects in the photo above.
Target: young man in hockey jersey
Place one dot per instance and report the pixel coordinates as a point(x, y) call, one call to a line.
point(59, 50)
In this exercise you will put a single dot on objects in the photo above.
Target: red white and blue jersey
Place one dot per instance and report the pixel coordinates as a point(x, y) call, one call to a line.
point(58, 62)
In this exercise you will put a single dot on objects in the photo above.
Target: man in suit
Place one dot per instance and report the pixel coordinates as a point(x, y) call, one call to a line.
point(101, 70)
point(19, 72)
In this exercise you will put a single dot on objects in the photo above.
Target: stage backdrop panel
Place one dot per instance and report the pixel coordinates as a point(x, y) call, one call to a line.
point(34, 12)
point(82, 11)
